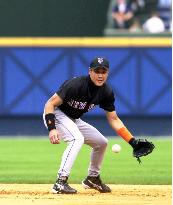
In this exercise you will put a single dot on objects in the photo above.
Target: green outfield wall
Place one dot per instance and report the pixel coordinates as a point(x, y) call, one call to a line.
point(52, 18)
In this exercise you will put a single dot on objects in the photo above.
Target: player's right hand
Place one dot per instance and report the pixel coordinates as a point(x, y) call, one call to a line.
point(53, 136)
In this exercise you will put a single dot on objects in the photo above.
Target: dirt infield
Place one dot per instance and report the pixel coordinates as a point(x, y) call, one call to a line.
point(39, 194)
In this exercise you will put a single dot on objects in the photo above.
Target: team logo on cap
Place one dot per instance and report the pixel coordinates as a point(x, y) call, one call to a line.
point(100, 60)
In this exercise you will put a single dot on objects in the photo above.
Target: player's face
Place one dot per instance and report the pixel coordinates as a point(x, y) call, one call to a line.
point(98, 76)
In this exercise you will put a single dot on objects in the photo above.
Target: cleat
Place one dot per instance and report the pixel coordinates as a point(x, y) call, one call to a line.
point(61, 187)
point(95, 183)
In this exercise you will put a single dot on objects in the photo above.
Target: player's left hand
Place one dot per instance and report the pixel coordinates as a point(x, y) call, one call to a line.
point(141, 147)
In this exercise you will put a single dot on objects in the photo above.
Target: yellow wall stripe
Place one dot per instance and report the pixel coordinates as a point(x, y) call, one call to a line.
point(86, 42)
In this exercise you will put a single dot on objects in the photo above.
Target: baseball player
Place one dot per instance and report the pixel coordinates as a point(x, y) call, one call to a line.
point(62, 114)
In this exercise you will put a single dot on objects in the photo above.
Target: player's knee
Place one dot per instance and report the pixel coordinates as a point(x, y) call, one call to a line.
point(103, 143)
point(79, 140)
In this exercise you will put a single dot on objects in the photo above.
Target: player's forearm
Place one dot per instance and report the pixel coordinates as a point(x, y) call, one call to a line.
point(49, 108)
point(118, 126)
point(49, 116)
point(121, 130)
point(115, 123)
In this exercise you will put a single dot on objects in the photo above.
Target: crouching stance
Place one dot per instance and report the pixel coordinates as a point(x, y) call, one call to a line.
point(62, 114)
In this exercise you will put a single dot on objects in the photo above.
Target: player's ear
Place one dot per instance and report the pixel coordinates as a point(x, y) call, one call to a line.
point(90, 70)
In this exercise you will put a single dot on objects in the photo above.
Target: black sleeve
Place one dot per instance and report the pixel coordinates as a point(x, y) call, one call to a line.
point(67, 90)
point(108, 99)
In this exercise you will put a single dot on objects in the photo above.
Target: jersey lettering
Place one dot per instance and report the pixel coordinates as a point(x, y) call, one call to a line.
point(77, 104)
point(70, 102)
point(82, 105)
point(91, 106)
point(80, 93)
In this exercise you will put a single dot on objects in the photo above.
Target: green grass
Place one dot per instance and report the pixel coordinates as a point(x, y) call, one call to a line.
point(29, 160)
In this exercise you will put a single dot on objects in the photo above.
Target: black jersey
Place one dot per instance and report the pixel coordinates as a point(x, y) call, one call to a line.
point(80, 94)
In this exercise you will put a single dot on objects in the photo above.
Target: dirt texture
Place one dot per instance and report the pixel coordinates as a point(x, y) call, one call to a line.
point(40, 194)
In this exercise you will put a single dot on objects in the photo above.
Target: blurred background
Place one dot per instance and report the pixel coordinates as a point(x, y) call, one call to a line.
point(43, 43)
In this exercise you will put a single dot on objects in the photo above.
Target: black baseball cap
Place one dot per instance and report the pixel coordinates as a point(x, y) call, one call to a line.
point(99, 62)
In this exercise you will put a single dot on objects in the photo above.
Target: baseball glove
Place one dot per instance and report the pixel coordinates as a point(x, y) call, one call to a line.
point(141, 147)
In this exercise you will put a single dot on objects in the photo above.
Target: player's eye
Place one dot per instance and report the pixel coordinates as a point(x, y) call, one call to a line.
point(100, 71)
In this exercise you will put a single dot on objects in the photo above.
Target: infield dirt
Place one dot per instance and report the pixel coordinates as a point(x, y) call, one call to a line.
point(40, 194)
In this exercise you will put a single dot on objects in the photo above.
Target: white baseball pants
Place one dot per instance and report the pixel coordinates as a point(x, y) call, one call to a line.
point(76, 133)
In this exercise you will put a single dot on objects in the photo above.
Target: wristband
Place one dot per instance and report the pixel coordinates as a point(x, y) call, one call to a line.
point(132, 142)
point(50, 121)
point(125, 134)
